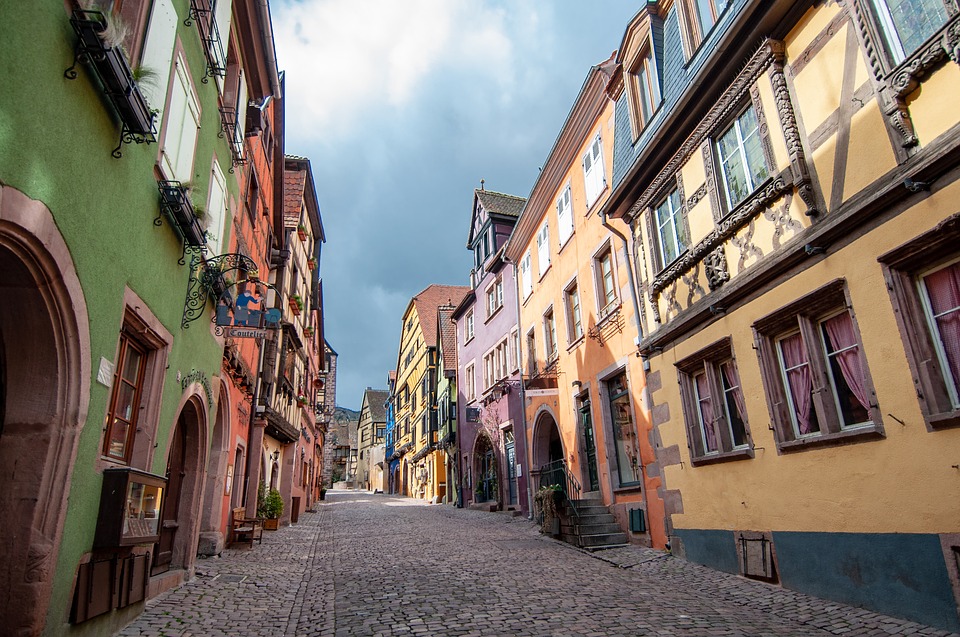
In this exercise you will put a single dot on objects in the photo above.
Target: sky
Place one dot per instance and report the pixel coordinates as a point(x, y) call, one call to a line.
point(402, 107)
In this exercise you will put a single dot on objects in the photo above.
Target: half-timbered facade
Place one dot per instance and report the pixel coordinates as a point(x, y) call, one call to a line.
point(789, 174)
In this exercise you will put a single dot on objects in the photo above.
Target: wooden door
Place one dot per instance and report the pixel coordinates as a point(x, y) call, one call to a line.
point(169, 516)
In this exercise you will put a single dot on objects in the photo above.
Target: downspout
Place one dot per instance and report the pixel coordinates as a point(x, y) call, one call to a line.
point(637, 319)
point(523, 400)
point(266, 35)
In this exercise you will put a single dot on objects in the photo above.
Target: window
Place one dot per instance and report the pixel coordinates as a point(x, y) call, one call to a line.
point(125, 397)
point(740, 153)
point(495, 365)
point(494, 297)
point(644, 90)
point(815, 374)
point(514, 353)
point(526, 276)
point(672, 238)
point(923, 278)
point(543, 248)
point(381, 432)
point(252, 202)
point(571, 303)
point(158, 50)
point(907, 24)
point(531, 353)
point(471, 382)
point(216, 209)
point(182, 125)
point(550, 335)
point(564, 216)
point(606, 282)
point(699, 16)
point(713, 405)
point(593, 177)
point(468, 330)
point(624, 432)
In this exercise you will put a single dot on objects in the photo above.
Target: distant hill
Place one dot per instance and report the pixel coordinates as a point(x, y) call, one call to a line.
point(340, 425)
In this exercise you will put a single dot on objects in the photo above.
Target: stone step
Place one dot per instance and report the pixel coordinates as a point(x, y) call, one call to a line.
point(594, 529)
point(592, 510)
point(603, 539)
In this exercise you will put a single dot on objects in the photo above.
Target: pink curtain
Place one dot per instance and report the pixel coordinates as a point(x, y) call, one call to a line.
point(733, 379)
point(840, 331)
point(706, 411)
point(943, 287)
point(799, 379)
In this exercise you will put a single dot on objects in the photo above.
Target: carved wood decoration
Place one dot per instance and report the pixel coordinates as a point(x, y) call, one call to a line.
point(746, 246)
point(715, 264)
point(730, 100)
point(692, 281)
point(782, 220)
point(697, 196)
point(791, 135)
point(711, 180)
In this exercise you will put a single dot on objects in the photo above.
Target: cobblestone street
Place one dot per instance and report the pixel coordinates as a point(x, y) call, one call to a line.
point(380, 565)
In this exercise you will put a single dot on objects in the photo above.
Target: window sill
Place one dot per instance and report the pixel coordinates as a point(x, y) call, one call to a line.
point(595, 204)
point(614, 309)
point(840, 438)
point(566, 242)
point(545, 273)
point(574, 344)
point(945, 420)
point(726, 456)
point(489, 317)
point(631, 487)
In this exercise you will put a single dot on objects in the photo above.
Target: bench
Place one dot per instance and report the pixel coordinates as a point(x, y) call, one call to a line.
point(244, 529)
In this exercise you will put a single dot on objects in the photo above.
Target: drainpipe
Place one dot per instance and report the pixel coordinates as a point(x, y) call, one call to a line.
point(637, 316)
point(266, 34)
point(523, 401)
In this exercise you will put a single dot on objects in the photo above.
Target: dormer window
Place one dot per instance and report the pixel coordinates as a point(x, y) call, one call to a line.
point(641, 80)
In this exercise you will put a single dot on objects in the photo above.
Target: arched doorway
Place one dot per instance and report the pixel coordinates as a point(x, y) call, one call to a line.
point(44, 393)
point(181, 503)
point(486, 472)
point(548, 455)
point(211, 527)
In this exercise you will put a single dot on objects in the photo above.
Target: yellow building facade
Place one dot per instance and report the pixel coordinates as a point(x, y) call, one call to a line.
point(797, 237)
point(422, 463)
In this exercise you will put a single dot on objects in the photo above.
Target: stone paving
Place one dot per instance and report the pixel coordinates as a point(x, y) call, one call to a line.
point(385, 566)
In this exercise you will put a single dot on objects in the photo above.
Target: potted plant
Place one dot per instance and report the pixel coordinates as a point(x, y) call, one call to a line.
point(269, 507)
point(296, 304)
point(323, 493)
point(547, 499)
point(308, 331)
point(302, 232)
point(312, 263)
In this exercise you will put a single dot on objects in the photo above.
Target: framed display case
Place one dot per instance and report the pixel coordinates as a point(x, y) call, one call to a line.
point(130, 504)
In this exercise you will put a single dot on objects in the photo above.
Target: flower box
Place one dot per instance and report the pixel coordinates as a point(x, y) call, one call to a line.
point(302, 232)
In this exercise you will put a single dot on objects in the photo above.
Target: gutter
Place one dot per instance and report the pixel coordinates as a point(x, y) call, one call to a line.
point(266, 34)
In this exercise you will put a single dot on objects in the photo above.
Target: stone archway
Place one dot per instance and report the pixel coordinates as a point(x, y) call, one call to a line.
point(487, 477)
point(547, 443)
point(45, 388)
point(211, 525)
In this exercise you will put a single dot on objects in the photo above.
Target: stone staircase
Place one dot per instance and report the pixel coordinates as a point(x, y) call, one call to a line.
point(594, 529)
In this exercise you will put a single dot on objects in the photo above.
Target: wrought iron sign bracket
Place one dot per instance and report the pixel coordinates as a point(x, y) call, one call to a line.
point(207, 280)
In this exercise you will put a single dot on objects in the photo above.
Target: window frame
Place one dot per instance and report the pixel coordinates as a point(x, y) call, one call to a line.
point(727, 205)
point(551, 347)
point(470, 382)
point(655, 226)
point(694, 32)
point(526, 275)
point(709, 362)
point(573, 313)
point(887, 33)
point(493, 297)
point(126, 342)
point(806, 316)
point(903, 268)
point(543, 248)
point(605, 307)
point(643, 88)
point(594, 179)
point(565, 224)
point(469, 327)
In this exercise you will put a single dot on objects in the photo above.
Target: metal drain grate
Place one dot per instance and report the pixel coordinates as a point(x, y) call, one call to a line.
point(236, 579)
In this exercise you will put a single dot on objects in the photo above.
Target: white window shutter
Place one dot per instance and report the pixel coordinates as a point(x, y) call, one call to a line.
point(242, 100)
point(543, 248)
point(158, 53)
point(217, 209)
point(176, 115)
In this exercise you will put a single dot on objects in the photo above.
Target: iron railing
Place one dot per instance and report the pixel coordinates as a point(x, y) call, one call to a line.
point(557, 473)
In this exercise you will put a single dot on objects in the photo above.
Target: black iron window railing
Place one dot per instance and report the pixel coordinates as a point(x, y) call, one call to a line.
point(109, 64)
point(176, 205)
point(202, 13)
point(232, 130)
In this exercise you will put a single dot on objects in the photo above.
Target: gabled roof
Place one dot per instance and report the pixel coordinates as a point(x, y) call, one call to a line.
point(448, 337)
point(375, 400)
point(493, 203)
point(429, 300)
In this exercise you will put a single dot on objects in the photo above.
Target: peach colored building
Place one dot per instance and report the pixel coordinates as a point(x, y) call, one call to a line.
point(588, 420)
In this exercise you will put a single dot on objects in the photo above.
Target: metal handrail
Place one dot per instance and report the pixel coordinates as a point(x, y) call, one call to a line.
point(557, 473)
